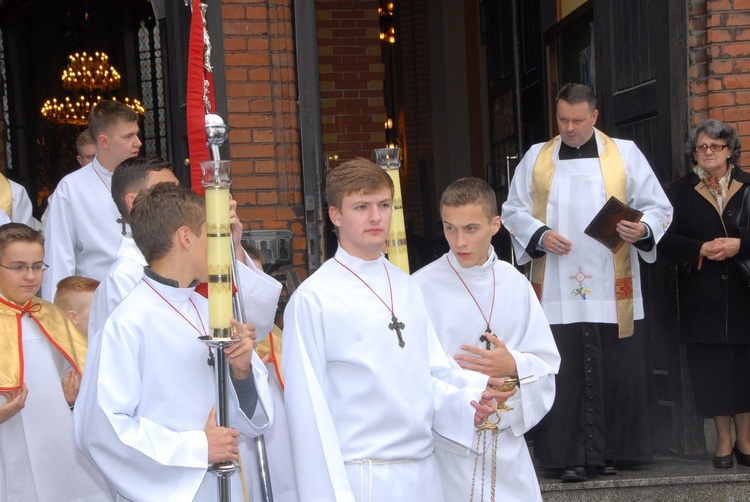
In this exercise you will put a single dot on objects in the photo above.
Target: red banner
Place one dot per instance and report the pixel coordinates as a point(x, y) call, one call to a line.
point(196, 110)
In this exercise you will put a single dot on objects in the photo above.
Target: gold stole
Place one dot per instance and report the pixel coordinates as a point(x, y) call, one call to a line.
point(271, 346)
point(615, 184)
point(6, 196)
point(56, 327)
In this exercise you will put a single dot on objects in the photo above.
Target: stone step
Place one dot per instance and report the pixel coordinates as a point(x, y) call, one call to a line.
point(667, 479)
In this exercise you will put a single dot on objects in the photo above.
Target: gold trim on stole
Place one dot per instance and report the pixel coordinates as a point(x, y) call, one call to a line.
point(615, 184)
point(54, 324)
point(6, 196)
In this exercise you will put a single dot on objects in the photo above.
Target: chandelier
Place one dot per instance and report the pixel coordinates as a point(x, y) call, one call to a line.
point(89, 76)
point(87, 72)
point(387, 22)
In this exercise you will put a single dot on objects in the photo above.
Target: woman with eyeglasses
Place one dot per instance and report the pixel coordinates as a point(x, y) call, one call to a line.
point(709, 232)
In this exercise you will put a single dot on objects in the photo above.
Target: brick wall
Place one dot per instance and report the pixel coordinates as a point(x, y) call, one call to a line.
point(719, 73)
point(263, 117)
point(351, 78)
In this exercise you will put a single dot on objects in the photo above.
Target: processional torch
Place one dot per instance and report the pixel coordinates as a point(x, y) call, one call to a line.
point(223, 305)
point(398, 254)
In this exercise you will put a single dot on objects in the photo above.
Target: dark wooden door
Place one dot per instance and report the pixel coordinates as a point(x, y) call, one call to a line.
point(640, 53)
point(516, 93)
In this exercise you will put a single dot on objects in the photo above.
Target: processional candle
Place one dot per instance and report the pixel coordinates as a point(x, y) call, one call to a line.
point(216, 182)
point(398, 254)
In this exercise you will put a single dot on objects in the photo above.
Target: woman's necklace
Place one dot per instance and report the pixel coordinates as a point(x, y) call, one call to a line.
point(487, 320)
point(395, 324)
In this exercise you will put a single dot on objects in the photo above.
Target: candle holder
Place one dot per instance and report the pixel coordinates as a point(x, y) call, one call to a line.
point(398, 254)
point(216, 181)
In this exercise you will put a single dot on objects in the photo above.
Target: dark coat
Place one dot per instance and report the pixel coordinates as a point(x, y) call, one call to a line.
point(715, 298)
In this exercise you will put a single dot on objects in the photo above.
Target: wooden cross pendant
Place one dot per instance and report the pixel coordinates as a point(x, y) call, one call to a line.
point(484, 338)
point(398, 326)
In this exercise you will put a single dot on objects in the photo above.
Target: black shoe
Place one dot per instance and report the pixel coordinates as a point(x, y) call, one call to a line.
point(574, 474)
point(608, 469)
point(725, 462)
point(742, 458)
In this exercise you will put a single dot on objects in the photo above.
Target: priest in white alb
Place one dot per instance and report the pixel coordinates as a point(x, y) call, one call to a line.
point(592, 297)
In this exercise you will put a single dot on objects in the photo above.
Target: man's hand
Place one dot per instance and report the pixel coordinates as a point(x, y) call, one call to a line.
point(720, 248)
point(240, 354)
point(490, 397)
point(16, 402)
point(496, 362)
point(71, 383)
point(222, 442)
point(553, 242)
point(631, 231)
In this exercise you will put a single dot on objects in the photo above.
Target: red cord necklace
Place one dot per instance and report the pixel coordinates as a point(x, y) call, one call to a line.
point(487, 321)
point(203, 333)
point(395, 324)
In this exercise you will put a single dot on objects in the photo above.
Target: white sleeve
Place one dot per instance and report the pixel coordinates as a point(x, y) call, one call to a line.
point(319, 466)
point(518, 210)
point(453, 389)
point(139, 457)
point(59, 242)
point(260, 295)
point(646, 194)
point(537, 361)
point(21, 207)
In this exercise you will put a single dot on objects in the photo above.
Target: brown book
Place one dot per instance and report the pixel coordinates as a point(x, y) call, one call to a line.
point(603, 227)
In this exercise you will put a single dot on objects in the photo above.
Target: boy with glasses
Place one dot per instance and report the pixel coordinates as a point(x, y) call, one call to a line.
point(41, 360)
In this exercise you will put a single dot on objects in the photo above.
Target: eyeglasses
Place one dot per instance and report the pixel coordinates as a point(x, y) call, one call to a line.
point(22, 269)
point(714, 148)
point(88, 157)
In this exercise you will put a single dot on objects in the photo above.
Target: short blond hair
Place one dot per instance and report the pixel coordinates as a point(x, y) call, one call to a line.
point(68, 289)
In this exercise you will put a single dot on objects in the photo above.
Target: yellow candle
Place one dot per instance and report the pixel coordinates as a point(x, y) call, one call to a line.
point(219, 262)
point(398, 253)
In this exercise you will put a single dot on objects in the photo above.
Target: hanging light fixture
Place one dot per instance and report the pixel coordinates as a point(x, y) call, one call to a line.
point(89, 76)
point(387, 22)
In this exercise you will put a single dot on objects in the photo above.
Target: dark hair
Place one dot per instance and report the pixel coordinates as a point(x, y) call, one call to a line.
point(715, 129)
point(131, 176)
point(253, 252)
point(107, 113)
point(355, 176)
point(18, 232)
point(577, 93)
point(466, 191)
point(159, 212)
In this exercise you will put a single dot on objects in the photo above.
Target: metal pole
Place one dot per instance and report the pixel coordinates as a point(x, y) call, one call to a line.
point(216, 133)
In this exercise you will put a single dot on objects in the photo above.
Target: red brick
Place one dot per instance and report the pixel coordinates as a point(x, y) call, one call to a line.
point(717, 99)
point(720, 67)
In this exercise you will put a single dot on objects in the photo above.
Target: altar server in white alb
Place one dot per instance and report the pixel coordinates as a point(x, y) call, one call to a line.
point(366, 381)
point(81, 228)
point(145, 415)
point(129, 178)
point(592, 297)
point(41, 359)
point(488, 318)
